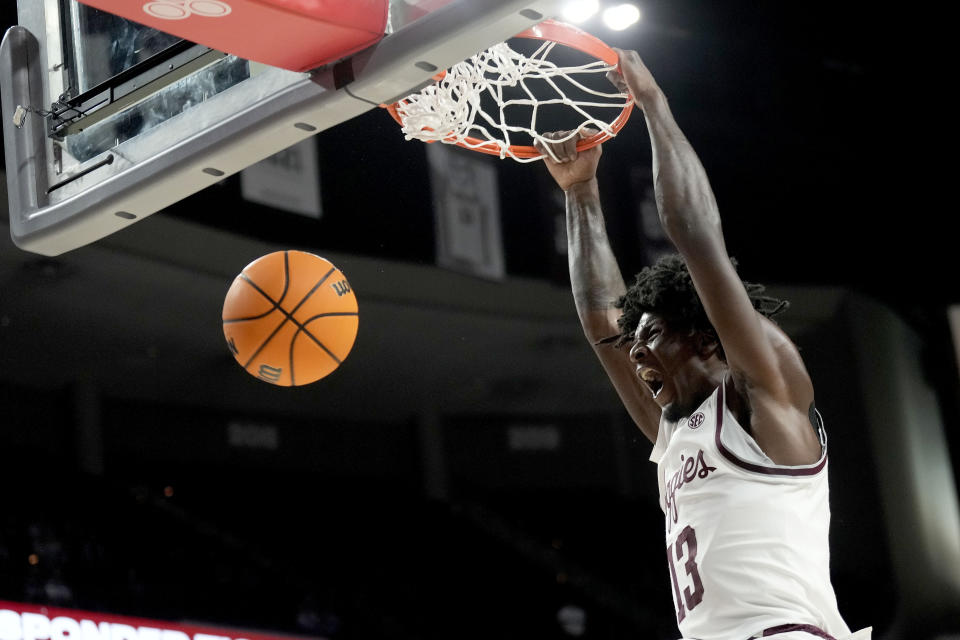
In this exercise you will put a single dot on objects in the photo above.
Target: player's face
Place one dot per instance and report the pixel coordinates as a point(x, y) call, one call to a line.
point(667, 362)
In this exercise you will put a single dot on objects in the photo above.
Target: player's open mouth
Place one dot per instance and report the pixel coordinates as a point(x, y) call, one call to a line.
point(652, 380)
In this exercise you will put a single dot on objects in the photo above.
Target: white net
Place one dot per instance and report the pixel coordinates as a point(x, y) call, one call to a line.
point(450, 110)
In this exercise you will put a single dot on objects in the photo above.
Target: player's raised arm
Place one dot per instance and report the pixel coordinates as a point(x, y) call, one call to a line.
point(595, 276)
point(767, 371)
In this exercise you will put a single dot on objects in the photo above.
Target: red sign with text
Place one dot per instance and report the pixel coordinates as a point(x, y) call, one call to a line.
point(37, 622)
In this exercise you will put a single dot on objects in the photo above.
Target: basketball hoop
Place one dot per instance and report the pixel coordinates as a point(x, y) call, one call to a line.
point(449, 110)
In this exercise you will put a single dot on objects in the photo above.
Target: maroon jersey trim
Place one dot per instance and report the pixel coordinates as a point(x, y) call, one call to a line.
point(806, 628)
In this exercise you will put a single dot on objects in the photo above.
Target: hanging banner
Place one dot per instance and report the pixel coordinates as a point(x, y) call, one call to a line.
point(289, 180)
point(36, 622)
point(466, 212)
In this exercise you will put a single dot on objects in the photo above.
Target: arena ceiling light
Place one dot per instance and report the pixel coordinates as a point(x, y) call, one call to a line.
point(579, 11)
point(621, 16)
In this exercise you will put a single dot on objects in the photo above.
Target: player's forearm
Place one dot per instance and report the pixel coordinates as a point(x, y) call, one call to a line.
point(594, 274)
point(685, 200)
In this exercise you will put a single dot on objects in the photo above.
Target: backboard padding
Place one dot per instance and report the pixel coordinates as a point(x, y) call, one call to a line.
point(313, 34)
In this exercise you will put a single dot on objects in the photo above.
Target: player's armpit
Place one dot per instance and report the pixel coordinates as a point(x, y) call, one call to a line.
point(780, 421)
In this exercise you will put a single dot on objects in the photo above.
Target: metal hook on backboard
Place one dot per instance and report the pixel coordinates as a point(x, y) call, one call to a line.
point(20, 115)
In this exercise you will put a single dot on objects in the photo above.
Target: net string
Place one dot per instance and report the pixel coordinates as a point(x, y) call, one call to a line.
point(449, 111)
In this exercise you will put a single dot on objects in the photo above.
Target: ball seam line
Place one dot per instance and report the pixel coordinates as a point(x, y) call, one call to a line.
point(276, 303)
point(286, 281)
point(303, 329)
point(289, 315)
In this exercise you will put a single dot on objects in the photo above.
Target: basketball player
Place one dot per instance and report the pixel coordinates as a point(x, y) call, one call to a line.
point(719, 390)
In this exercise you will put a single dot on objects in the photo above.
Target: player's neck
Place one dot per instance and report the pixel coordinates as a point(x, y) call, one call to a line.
point(691, 393)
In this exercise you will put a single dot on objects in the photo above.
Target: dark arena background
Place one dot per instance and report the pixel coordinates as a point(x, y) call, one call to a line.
point(468, 473)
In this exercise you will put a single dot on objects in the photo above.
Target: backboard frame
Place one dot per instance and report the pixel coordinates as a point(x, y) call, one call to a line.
point(272, 110)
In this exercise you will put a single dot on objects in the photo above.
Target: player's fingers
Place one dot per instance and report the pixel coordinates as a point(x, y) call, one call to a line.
point(617, 80)
point(568, 148)
point(557, 145)
point(631, 59)
point(545, 145)
point(627, 58)
point(547, 150)
point(586, 132)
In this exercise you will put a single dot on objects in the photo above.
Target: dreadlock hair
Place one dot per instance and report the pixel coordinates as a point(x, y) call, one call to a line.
point(667, 290)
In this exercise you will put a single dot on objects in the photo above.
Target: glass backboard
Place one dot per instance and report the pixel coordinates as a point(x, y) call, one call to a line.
point(107, 121)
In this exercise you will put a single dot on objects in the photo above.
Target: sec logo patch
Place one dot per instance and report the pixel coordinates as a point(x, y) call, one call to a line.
point(696, 420)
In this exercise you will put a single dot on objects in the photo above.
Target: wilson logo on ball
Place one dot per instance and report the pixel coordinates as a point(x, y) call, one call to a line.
point(270, 374)
point(342, 288)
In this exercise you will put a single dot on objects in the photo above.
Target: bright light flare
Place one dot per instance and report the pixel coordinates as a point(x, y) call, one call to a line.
point(578, 11)
point(621, 16)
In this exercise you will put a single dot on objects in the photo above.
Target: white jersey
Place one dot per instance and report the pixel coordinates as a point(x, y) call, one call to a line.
point(747, 541)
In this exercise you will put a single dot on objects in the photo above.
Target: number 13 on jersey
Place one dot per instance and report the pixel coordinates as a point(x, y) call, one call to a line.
point(683, 554)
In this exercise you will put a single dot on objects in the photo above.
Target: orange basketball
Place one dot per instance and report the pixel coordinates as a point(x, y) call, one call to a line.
point(290, 318)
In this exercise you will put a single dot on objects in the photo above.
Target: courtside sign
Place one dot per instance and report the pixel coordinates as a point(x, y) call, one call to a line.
point(35, 622)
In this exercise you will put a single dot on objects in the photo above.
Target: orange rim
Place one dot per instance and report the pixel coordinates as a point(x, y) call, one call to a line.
point(569, 36)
